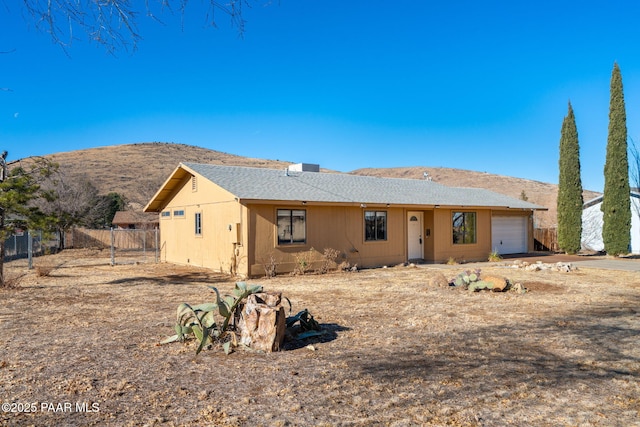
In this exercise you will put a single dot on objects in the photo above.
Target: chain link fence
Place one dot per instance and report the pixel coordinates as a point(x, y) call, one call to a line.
point(126, 246)
point(29, 244)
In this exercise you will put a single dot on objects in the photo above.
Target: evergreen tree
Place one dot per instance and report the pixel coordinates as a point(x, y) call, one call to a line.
point(109, 204)
point(19, 187)
point(569, 187)
point(616, 206)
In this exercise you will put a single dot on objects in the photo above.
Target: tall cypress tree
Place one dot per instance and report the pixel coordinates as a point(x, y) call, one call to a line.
point(616, 205)
point(569, 187)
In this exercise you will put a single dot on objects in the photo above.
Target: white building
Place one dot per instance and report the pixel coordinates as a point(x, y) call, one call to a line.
point(592, 224)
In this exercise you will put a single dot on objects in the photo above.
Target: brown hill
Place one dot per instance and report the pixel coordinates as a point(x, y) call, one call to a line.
point(137, 171)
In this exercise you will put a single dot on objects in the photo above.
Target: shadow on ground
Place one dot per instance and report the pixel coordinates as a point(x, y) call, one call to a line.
point(171, 279)
point(491, 357)
point(329, 333)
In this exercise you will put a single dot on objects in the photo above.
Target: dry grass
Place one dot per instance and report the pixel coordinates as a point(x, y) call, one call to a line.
point(400, 351)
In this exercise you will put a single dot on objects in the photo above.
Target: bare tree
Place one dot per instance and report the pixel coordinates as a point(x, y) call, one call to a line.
point(73, 202)
point(114, 23)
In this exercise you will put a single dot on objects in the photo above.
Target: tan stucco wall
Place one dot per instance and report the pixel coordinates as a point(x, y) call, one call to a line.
point(216, 247)
point(444, 249)
point(335, 227)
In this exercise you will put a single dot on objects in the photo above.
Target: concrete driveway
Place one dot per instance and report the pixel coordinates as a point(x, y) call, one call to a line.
point(582, 261)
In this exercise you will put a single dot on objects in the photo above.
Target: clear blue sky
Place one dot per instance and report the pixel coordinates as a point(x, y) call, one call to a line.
point(479, 85)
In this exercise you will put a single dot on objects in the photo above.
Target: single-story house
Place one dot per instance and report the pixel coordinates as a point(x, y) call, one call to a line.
point(592, 222)
point(240, 219)
point(135, 220)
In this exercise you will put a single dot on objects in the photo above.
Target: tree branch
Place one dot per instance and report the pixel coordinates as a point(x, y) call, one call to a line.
point(114, 23)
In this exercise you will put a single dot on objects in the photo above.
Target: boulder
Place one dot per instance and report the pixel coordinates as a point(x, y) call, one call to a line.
point(262, 324)
point(499, 283)
point(438, 281)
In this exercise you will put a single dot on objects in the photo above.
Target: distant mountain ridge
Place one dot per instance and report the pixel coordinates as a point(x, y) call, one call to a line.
point(138, 170)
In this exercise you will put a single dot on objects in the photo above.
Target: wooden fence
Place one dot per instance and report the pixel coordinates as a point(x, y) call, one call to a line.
point(123, 239)
point(546, 239)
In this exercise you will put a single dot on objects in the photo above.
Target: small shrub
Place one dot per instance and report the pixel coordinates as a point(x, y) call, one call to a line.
point(494, 256)
point(304, 261)
point(346, 266)
point(452, 261)
point(270, 266)
point(12, 282)
point(43, 270)
point(329, 260)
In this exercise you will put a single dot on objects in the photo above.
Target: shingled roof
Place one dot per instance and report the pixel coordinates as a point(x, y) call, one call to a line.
point(284, 185)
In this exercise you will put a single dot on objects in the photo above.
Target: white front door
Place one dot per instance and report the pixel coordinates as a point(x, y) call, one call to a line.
point(414, 235)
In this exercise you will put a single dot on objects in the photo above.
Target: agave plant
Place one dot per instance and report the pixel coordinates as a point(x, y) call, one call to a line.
point(308, 326)
point(203, 320)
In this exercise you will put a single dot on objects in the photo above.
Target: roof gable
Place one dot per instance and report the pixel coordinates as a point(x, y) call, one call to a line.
point(633, 194)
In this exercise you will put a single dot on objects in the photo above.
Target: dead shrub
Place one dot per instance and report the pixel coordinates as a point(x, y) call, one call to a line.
point(12, 282)
point(43, 270)
point(304, 261)
point(329, 260)
point(270, 265)
point(346, 266)
point(438, 281)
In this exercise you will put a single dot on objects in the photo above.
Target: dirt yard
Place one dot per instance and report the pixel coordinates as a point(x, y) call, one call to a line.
point(80, 348)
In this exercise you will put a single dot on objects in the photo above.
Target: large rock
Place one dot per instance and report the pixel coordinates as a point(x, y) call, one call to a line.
point(438, 281)
point(499, 283)
point(262, 322)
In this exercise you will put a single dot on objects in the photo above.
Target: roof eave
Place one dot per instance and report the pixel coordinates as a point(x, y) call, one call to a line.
point(159, 199)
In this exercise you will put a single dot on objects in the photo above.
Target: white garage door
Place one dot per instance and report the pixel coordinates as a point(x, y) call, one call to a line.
point(509, 234)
